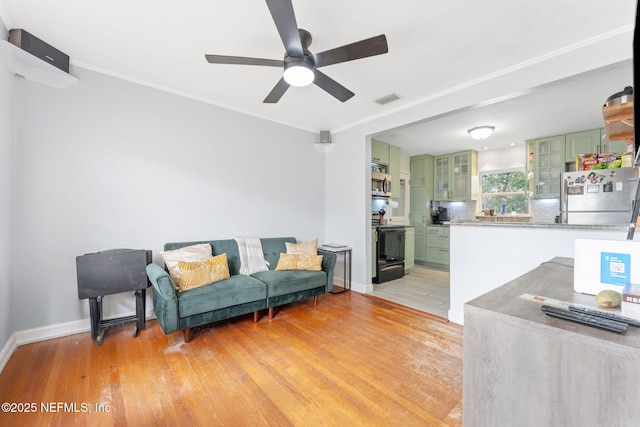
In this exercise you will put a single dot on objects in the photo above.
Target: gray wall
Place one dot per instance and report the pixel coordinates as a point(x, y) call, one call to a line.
point(112, 164)
point(6, 199)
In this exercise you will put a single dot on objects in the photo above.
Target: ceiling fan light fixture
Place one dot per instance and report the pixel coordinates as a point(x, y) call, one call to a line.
point(298, 73)
point(481, 132)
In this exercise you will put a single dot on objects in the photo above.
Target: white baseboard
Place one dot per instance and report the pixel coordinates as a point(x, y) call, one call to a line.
point(361, 288)
point(52, 331)
point(7, 351)
point(456, 316)
point(49, 332)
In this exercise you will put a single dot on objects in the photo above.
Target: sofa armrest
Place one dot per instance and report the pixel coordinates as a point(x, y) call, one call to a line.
point(328, 265)
point(165, 301)
point(161, 282)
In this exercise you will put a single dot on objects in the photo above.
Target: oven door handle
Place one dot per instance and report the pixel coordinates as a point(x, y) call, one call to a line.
point(391, 267)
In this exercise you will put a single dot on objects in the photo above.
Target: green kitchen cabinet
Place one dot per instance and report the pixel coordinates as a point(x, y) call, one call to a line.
point(394, 170)
point(438, 245)
point(548, 165)
point(579, 143)
point(441, 177)
point(464, 173)
point(379, 152)
point(591, 142)
point(409, 248)
point(455, 176)
point(418, 218)
point(421, 192)
point(421, 168)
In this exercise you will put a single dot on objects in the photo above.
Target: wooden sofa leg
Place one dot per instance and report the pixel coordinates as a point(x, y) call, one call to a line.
point(315, 301)
point(187, 335)
point(255, 316)
point(270, 313)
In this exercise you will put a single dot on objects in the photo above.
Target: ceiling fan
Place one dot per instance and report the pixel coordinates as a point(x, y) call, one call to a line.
point(301, 66)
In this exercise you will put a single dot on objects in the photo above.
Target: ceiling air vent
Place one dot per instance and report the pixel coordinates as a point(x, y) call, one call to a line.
point(387, 99)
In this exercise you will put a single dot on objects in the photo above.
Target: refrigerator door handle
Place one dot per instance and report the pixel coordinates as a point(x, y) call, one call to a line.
point(564, 202)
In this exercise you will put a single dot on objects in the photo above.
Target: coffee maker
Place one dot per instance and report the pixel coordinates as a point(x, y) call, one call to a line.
point(439, 215)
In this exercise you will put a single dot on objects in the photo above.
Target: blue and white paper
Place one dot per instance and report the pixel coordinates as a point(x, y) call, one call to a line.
point(615, 268)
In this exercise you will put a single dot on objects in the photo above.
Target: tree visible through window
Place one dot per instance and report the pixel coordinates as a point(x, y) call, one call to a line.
point(507, 188)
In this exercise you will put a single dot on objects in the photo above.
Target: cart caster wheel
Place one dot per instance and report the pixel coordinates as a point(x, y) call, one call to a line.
point(135, 332)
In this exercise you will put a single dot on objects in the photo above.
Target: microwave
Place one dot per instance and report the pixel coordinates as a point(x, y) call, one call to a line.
point(380, 184)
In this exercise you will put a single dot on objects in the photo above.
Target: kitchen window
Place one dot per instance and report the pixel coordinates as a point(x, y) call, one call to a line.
point(505, 187)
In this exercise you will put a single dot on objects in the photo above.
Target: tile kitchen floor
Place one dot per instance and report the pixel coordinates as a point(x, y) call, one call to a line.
point(423, 289)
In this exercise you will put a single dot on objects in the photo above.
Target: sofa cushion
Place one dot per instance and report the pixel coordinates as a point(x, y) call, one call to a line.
point(200, 273)
point(307, 248)
point(299, 262)
point(273, 247)
point(197, 252)
point(226, 293)
point(286, 282)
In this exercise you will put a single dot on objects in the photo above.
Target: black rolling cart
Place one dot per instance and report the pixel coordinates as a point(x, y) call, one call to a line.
point(112, 272)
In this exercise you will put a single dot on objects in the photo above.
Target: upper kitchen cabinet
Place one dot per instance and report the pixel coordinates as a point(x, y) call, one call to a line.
point(379, 152)
point(579, 143)
point(390, 158)
point(441, 177)
point(548, 163)
point(591, 142)
point(422, 171)
point(465, 175)
point(455, 176)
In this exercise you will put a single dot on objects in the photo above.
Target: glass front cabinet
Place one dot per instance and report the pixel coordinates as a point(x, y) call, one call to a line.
point(548, 164)
point(455, 176)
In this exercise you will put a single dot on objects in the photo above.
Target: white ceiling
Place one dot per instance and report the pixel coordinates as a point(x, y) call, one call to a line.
point(433, 46)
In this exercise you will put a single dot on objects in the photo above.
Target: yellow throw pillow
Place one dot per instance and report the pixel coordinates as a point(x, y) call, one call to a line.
point(306, 248)
point(197, 252)
point(299, 262)
point(200, 273)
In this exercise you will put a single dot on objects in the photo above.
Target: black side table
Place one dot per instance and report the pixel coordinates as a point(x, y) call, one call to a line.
point(345, 251)
point(112, 272)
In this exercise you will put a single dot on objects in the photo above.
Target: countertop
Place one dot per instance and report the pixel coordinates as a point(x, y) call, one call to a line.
point(552, 279)
point(392, 225)
point(540, 225)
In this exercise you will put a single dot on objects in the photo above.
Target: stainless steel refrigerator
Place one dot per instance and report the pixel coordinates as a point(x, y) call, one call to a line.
point(603, 196)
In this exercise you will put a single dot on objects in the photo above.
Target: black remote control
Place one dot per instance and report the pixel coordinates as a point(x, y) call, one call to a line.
point(585, 319)
point(605, 315)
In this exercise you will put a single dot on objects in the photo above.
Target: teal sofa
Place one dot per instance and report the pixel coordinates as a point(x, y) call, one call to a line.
point(238, 295)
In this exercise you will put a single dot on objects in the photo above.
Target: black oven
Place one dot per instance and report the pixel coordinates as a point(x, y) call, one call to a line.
point(390, 253)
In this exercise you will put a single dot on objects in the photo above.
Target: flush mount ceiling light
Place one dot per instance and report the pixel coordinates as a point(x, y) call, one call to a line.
point(481, 132)
point(298, 73)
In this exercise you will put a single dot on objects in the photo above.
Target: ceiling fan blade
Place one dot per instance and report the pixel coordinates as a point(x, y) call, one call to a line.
point(364, 48)
point(276, 93)
point(222, 59)
point(285, 20)
point(332, 87)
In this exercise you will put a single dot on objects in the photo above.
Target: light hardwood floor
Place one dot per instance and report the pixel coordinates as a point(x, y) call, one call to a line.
point(351, 361)
point(423, 289)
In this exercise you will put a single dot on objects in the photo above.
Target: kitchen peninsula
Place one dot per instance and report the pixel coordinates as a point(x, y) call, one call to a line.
point(486, 255)
point(524, 368)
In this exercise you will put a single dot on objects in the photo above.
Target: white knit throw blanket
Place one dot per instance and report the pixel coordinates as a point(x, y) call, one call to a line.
point(251, 255)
